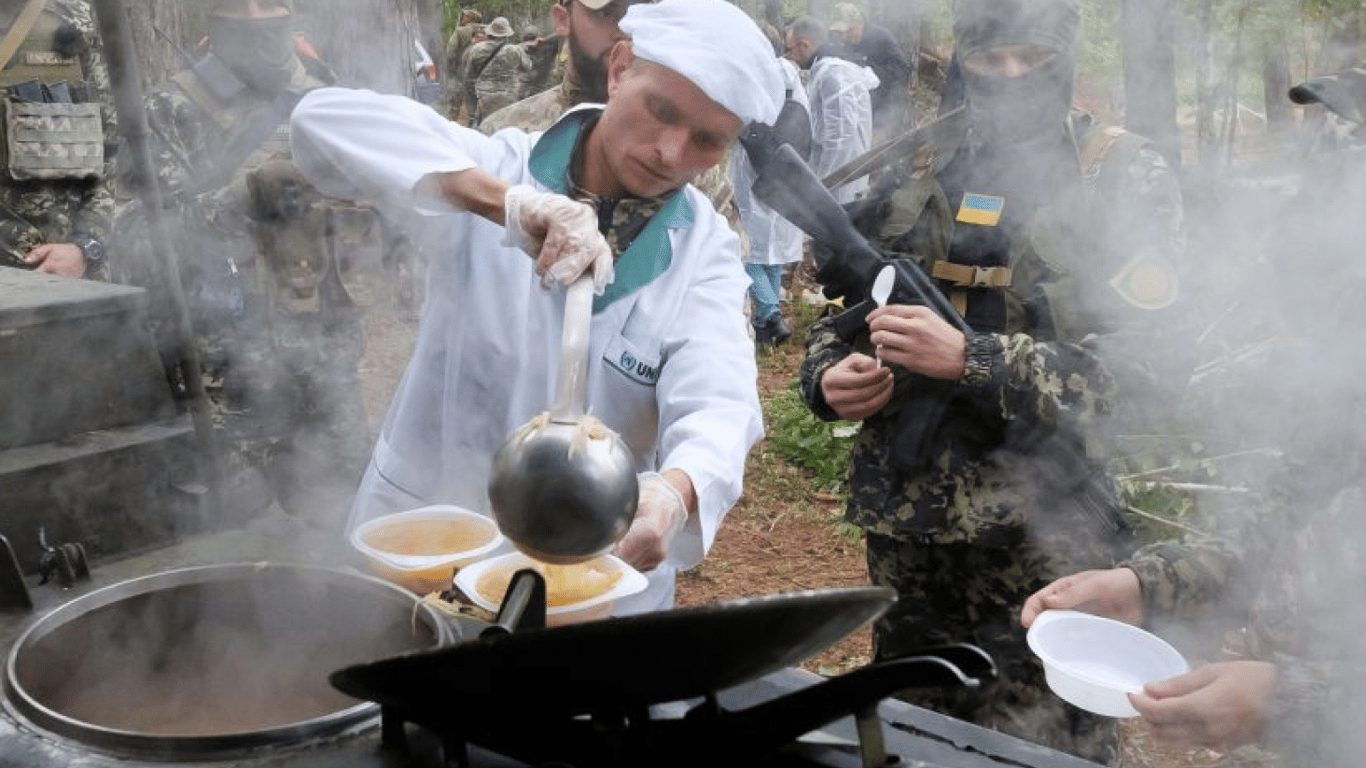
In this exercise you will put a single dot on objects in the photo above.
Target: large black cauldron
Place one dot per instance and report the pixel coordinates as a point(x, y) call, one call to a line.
point(209, 661)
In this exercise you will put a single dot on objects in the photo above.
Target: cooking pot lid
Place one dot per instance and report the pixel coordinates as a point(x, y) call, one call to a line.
point(619, 663)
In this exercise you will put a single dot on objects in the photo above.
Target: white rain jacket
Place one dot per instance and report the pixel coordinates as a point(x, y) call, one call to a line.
point(841, 118)
point(672, 368)
point(772, 238)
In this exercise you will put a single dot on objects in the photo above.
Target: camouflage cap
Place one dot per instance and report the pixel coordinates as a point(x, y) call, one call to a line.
point(1343, 93)
point(499, 28)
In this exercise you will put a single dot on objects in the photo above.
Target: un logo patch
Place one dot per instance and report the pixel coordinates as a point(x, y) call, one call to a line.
point(627, 361)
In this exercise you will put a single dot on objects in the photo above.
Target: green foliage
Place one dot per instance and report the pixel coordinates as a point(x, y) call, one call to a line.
point(519, 12)
point(804, 440)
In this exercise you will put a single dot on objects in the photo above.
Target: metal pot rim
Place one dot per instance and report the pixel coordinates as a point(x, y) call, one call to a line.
point(123, 742)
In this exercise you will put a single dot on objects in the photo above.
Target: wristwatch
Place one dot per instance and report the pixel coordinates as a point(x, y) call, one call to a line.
point(92, 249)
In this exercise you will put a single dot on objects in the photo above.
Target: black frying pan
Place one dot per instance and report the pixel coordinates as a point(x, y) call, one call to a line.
point(618, 664)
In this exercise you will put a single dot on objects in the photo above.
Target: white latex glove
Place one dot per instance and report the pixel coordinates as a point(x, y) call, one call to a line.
point(560, 233)
point(660, 515)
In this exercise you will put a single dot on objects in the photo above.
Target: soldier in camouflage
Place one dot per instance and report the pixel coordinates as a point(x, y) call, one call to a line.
point(56, 203)
point(278, 333)
point(504, 78)
point(589, 29)
point(496, 35)
point(979, 472)
point(460, 41)
point(1293, 560)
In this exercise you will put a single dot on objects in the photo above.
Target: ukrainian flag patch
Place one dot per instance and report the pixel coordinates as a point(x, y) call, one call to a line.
point(981, 209)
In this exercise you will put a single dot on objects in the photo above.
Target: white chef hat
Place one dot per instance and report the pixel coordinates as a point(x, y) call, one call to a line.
point(715, 45)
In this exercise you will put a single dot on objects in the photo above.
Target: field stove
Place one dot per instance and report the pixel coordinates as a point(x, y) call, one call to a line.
point(485, 695)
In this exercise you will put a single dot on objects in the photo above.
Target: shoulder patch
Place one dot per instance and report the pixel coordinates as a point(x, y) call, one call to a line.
point(1147, 281)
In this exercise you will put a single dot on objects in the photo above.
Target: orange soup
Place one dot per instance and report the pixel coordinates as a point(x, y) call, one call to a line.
point(564, 584)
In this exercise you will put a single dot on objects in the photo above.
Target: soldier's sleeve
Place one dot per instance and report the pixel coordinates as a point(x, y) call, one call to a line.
point(1157, 211)
point(1183, 579)
point(1048, 382)
point(824, 348)
point(1307, 621)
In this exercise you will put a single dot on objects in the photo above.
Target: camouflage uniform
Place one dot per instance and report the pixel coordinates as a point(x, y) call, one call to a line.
point(45, 197)
point(456, 47)
point(1009, 491)
point(477, 57)
point(278, 334)
point(503, 80)
point(1298, 619)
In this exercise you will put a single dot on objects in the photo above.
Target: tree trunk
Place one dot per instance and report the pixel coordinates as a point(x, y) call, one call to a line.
point(1280, 120)
point(773, 13)
point(1205, 140)
point(162, 38)
point(1150, 75)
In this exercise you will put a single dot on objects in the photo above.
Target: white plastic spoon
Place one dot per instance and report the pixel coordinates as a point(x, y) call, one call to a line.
point(882, 290)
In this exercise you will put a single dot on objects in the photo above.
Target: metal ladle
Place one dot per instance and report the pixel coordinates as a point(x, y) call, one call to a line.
point(563, 486)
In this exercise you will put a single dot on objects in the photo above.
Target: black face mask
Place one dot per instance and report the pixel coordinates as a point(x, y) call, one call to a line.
point(1010, 110)
point(259, 51)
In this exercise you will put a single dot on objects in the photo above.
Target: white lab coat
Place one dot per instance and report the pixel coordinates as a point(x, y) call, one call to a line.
point(841, 118)
point(672, 368)
point(772, 238)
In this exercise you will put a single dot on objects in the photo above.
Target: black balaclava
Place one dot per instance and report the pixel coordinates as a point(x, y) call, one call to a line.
point(260, 52)
point(1008, 110)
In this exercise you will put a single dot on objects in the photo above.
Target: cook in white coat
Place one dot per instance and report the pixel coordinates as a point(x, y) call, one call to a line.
point(773, 240)
point(672, 369)
point(841, 104)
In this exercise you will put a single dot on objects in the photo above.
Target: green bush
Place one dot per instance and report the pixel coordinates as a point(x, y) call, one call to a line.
point(804, 440)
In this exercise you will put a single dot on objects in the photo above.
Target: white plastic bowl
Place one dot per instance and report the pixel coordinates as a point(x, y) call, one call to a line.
point(429, 567)
point(1094, 663)
point(595, 607)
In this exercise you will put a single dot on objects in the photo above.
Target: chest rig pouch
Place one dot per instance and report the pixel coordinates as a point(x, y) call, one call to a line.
point(48, 135)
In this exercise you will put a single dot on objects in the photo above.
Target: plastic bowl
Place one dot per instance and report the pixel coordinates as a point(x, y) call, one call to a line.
point(629, 581)
point(1094, 663)
point(421, 548)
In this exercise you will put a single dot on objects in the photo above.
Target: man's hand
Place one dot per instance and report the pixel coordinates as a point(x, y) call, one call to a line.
point(1219, 706)
point(660, 515)
point(560, 233)
point(856, 387)
point(57, 259)
point(1114, 593)
point(919, 340)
